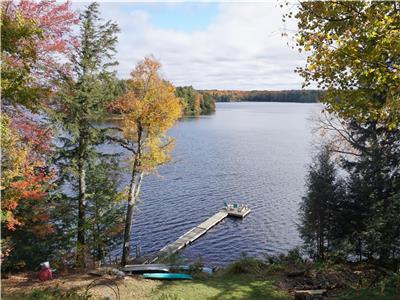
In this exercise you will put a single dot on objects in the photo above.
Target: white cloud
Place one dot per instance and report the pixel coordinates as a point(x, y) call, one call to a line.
point(242, 48)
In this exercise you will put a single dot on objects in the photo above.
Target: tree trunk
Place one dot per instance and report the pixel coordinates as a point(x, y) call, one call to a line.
point(134, 190)
point(81, 251)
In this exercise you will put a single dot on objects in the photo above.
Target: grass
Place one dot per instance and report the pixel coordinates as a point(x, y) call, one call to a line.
point(246, 278)
point(222, 286)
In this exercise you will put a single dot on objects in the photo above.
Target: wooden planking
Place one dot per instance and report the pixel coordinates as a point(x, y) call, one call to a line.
point(194, 233)
point(215, 219)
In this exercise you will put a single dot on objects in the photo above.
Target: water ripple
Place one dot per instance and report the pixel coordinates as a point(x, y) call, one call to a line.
point(253, 153)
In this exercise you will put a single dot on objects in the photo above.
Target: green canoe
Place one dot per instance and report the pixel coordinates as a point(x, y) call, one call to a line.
point(167, 276)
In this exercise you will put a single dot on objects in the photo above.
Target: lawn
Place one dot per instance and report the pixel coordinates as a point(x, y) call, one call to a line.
point(217, 287)
point(222, 287)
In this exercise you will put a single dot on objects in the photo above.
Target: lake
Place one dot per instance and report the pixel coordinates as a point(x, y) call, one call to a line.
point(252, 153)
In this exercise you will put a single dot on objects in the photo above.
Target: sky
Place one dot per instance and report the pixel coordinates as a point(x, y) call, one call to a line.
point(208, 45)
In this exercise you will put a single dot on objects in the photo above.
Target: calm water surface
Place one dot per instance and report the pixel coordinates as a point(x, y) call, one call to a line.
point(253, 153)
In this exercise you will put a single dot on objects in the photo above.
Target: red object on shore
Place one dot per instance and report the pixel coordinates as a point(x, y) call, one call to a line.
point(45, 274)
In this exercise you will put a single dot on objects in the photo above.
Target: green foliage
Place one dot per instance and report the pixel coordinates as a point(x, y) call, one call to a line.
point(386, 289)
point(195, 102)
point(356, 216)
point(16, 84)
point(317, 210)
point(207, 104)
point(368, 213)
point(104, 209)
point(246, 265)
point(354, 52)
point(82, 100)
point(293, 258)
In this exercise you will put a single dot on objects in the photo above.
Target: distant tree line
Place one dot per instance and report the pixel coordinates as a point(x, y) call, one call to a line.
point(300, 96)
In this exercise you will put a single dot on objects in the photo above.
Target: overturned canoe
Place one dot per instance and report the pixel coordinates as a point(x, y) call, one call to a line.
point(140, 269)
point(167, 276)
point(161, 268)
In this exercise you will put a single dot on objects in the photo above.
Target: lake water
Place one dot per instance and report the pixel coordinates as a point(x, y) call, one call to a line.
point(252, 153)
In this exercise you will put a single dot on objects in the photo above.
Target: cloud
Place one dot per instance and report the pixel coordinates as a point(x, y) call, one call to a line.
point(241, 48)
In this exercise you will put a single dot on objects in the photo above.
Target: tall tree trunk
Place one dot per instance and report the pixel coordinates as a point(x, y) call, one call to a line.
point(81, 243)
point(134, 191)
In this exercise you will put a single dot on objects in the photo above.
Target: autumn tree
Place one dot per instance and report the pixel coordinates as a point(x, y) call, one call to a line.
point(82, 101)
point(25, 183)
point(149, 109)
point(36, 38)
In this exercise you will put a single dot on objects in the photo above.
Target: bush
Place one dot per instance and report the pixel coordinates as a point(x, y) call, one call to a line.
point(246, 265)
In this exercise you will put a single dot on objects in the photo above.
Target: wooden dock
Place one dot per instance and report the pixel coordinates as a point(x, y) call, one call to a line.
point(193, 234)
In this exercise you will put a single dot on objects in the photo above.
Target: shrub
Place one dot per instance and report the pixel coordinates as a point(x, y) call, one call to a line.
point(246, 265)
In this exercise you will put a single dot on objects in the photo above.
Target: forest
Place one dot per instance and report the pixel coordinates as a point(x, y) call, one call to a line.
point(295, 96)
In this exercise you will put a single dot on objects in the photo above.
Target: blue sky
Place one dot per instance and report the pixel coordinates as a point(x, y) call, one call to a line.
point(209, 45)
point(181, 17)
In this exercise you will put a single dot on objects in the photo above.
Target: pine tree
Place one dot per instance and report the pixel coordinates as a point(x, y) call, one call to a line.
point(82, 101)
point(319, 205)
point(373, 183)
point(105, 211)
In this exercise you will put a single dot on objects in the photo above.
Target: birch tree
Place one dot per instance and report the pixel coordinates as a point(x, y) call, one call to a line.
point(149, 109)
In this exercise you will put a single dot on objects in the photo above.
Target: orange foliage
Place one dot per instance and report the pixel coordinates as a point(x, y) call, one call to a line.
point(24, 179)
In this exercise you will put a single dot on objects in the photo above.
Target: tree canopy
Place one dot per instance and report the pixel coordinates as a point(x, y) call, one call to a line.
point(353, 51)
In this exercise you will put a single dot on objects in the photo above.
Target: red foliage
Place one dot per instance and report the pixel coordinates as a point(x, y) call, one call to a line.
point(29, 187)
point(32, 132)
point(56, 22)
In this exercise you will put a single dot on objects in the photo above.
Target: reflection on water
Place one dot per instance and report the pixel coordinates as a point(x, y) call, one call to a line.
point(253, 153)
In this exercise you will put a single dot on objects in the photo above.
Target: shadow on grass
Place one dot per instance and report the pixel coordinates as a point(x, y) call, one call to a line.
point(221, 287)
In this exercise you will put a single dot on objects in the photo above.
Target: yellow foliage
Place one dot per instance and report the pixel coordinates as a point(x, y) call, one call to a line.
point(151, 108)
